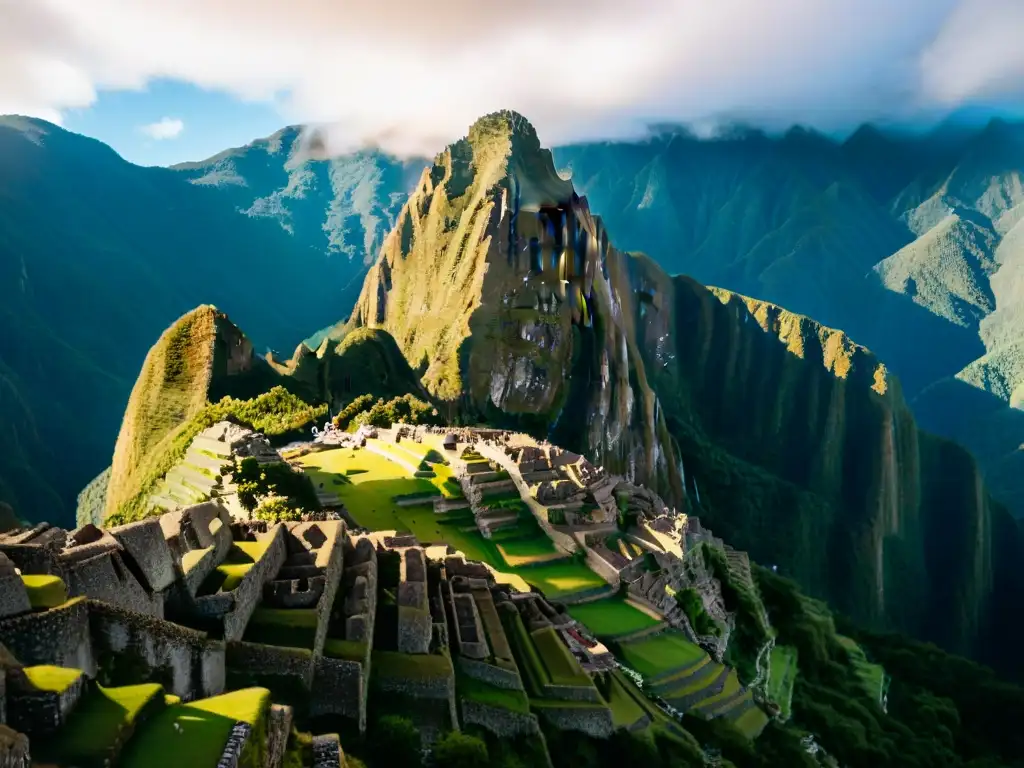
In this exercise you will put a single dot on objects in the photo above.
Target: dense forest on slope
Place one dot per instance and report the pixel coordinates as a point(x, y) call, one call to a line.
point(910, 244)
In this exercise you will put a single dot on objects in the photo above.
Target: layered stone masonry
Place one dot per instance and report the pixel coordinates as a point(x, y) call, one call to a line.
point(59, 636)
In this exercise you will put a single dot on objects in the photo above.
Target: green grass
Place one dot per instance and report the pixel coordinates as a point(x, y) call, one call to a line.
point(349, 650)
point(872, 676)
point(98, 722)
point(411, 666)
point(239, 561)
point(53, 679)
point(751, 722)
point(730, 688)
point(204, 729)
point(192, 558)
point(370, 500)
point(514, 701)
point(611, 617)
point(561, 665)
point(782, 677)
point(626, 710)
point(526, 655)
point(288, 627)
point(651, 656)
point(45, 591)
point(523, 552)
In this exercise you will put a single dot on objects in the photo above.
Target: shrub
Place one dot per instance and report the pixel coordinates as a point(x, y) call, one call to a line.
point(396, 741)
point(255, 481)
point(276, 509)
point(459, 750)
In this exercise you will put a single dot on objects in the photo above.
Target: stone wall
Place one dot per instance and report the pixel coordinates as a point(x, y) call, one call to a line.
point(593, 721)
point(489, 673)
point(106, 577)
point(248, 594)
point(13, 595)
point(279, 727)
point(436, 688)
point(146, 544)
point(59, 636)
point(327, 751)
point(501, 722)
point(603, 568)
point(130, 647)
point(238, 740)
point(287, 672)
point(41, 713)
point(339, 688)
point(572, 692)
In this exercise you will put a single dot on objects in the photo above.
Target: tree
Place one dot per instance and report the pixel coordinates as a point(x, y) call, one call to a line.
point(460, 750)
point(396, 741)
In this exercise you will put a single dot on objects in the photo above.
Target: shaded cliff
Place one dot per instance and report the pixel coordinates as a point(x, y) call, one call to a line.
point(502, 291)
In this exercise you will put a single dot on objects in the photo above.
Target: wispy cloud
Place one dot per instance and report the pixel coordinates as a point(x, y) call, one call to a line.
point(412, 75)
point(166, 128)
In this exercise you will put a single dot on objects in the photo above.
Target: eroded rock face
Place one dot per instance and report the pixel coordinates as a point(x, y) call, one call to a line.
point(794, 442)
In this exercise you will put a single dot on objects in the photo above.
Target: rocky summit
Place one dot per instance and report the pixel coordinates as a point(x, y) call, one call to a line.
point(533, 501)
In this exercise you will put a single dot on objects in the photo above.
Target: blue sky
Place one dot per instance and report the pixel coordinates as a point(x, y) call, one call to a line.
point(212, 121)
point(411, 76)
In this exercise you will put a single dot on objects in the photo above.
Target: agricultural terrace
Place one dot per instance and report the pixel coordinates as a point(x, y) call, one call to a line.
point(871, 675)
point(195, 733)
point(100, 720)
point(612, 617)
point(661, 654)
point(287, 627)
point(782, 676)
point(370, 486)
point(239, 561)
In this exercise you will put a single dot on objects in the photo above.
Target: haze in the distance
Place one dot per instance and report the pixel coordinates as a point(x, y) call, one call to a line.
point(410, 75)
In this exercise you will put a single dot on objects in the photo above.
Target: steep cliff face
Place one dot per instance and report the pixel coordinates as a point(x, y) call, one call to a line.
point(504, 294)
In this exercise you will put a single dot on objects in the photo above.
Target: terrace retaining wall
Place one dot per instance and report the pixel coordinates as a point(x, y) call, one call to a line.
point(339, 688)
point(44, 712)
point(593, 721)
point(436, 688)
point(327, 751)
point(59, 636)
point(130, 647)
point(250, 591)
point(499, 721)
point(489, 673)
point(287, 672)
point(238, 739)
point(572, 692)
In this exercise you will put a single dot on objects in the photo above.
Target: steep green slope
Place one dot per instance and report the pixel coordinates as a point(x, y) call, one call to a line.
point(97, 256)
point(792, 440)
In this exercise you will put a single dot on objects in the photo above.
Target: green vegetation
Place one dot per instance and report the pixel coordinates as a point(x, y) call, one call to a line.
point(45, 591)
point(195, 733)
point(98, 724)
point(485, 693)
point(783, 672)
point(561, 666)
point(690, 601)
point(276, 509)
point(229, 574)
point(658, 654)
point(612, 617)
point(406, 409)
point(626, 708)
point(395, 741)
point(276, 413)
point(427, 666)
point(345, 649)
point(460, 750)
point(46, 677)
point(871, 675)
point(257, 480)
point(288, 627)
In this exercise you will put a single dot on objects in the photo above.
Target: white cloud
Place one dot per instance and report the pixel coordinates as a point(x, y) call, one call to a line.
point(413, 75)
point(167, 128)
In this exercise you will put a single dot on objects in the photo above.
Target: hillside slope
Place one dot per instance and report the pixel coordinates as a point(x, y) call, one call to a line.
point(503, 292)
point(882, 232)
point(97, 257)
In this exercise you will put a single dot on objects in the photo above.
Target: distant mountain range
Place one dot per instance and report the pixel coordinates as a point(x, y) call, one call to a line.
point(912, 245)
